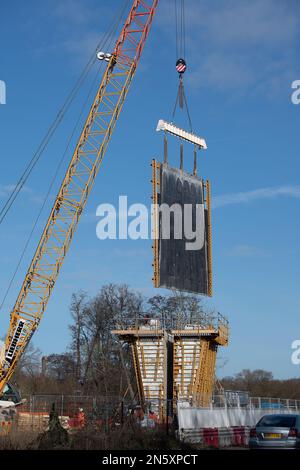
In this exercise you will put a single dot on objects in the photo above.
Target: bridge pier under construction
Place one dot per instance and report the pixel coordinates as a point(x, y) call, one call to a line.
point(174, 362)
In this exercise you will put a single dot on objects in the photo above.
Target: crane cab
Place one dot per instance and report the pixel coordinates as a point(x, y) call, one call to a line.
point(11, 393)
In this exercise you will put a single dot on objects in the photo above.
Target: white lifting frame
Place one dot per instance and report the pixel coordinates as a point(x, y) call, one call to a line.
point(182, 134)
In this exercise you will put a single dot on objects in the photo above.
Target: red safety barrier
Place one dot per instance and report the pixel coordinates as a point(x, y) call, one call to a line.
point(239, 436)
point(217, 437)
point(211, 437)
point(78, 421)
point(5, 427)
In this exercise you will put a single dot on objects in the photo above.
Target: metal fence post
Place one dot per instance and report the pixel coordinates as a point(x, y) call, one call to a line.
point(33, 408)
point(167, 417)
point(122, 412)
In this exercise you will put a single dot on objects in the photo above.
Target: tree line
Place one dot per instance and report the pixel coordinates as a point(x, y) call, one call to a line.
point(96, 363)
point(261, 383)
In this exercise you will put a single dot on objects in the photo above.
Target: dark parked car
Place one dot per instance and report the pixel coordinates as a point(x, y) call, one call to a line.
point(274, 431)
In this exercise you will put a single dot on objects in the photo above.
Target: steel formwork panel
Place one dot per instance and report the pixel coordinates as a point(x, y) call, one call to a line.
point(194, 271)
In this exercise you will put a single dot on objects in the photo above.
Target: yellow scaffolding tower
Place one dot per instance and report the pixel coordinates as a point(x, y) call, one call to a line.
point(184, 357)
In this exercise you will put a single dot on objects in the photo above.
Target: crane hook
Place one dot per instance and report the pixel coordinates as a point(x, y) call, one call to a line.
point(181, 66)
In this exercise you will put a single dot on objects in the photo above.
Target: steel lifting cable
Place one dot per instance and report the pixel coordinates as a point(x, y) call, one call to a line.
point(45, 141)
point(181, 97)
point(183, 26)
point(180, 27)
point(181, 64)
point(176, 29)
point(110, 39)
point(58, 119)
point(48, 193)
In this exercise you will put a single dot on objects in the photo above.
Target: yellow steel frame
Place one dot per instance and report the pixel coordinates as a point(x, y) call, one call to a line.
point(157, 358)
point(155, 185)
point(138, 373)
point(77, 183)
point(209, 239)
point(190, 389)
point(204, 383)
point(144, 368)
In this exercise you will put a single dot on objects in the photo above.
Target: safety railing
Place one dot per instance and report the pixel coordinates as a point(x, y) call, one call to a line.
point(160, 322)
point(262, 403)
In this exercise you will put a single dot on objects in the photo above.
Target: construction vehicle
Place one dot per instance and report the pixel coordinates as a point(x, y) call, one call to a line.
point(11, 393)
point(72, 196)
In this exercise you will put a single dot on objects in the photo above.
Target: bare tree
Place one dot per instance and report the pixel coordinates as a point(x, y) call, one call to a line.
point(77, 309)
point(27, 376)
point(60, 366)
point(258, 382)
point(100, 352)
point(178, 307)
point(30, 363)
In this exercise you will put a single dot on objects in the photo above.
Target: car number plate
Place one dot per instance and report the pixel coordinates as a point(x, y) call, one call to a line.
point(272, 436)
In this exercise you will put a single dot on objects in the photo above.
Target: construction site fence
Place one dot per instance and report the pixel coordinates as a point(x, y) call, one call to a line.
point(105, 412)
point(262, 403)
point(101, 412)
point(70, 404)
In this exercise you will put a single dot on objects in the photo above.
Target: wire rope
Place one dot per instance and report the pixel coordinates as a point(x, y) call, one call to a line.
point(110, 37)
point(58, 119)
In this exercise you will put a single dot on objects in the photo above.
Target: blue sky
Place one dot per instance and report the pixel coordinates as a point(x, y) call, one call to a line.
point(242, 58)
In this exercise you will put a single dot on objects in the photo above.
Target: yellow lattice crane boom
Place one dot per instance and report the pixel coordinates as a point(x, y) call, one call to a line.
point(76, 186)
